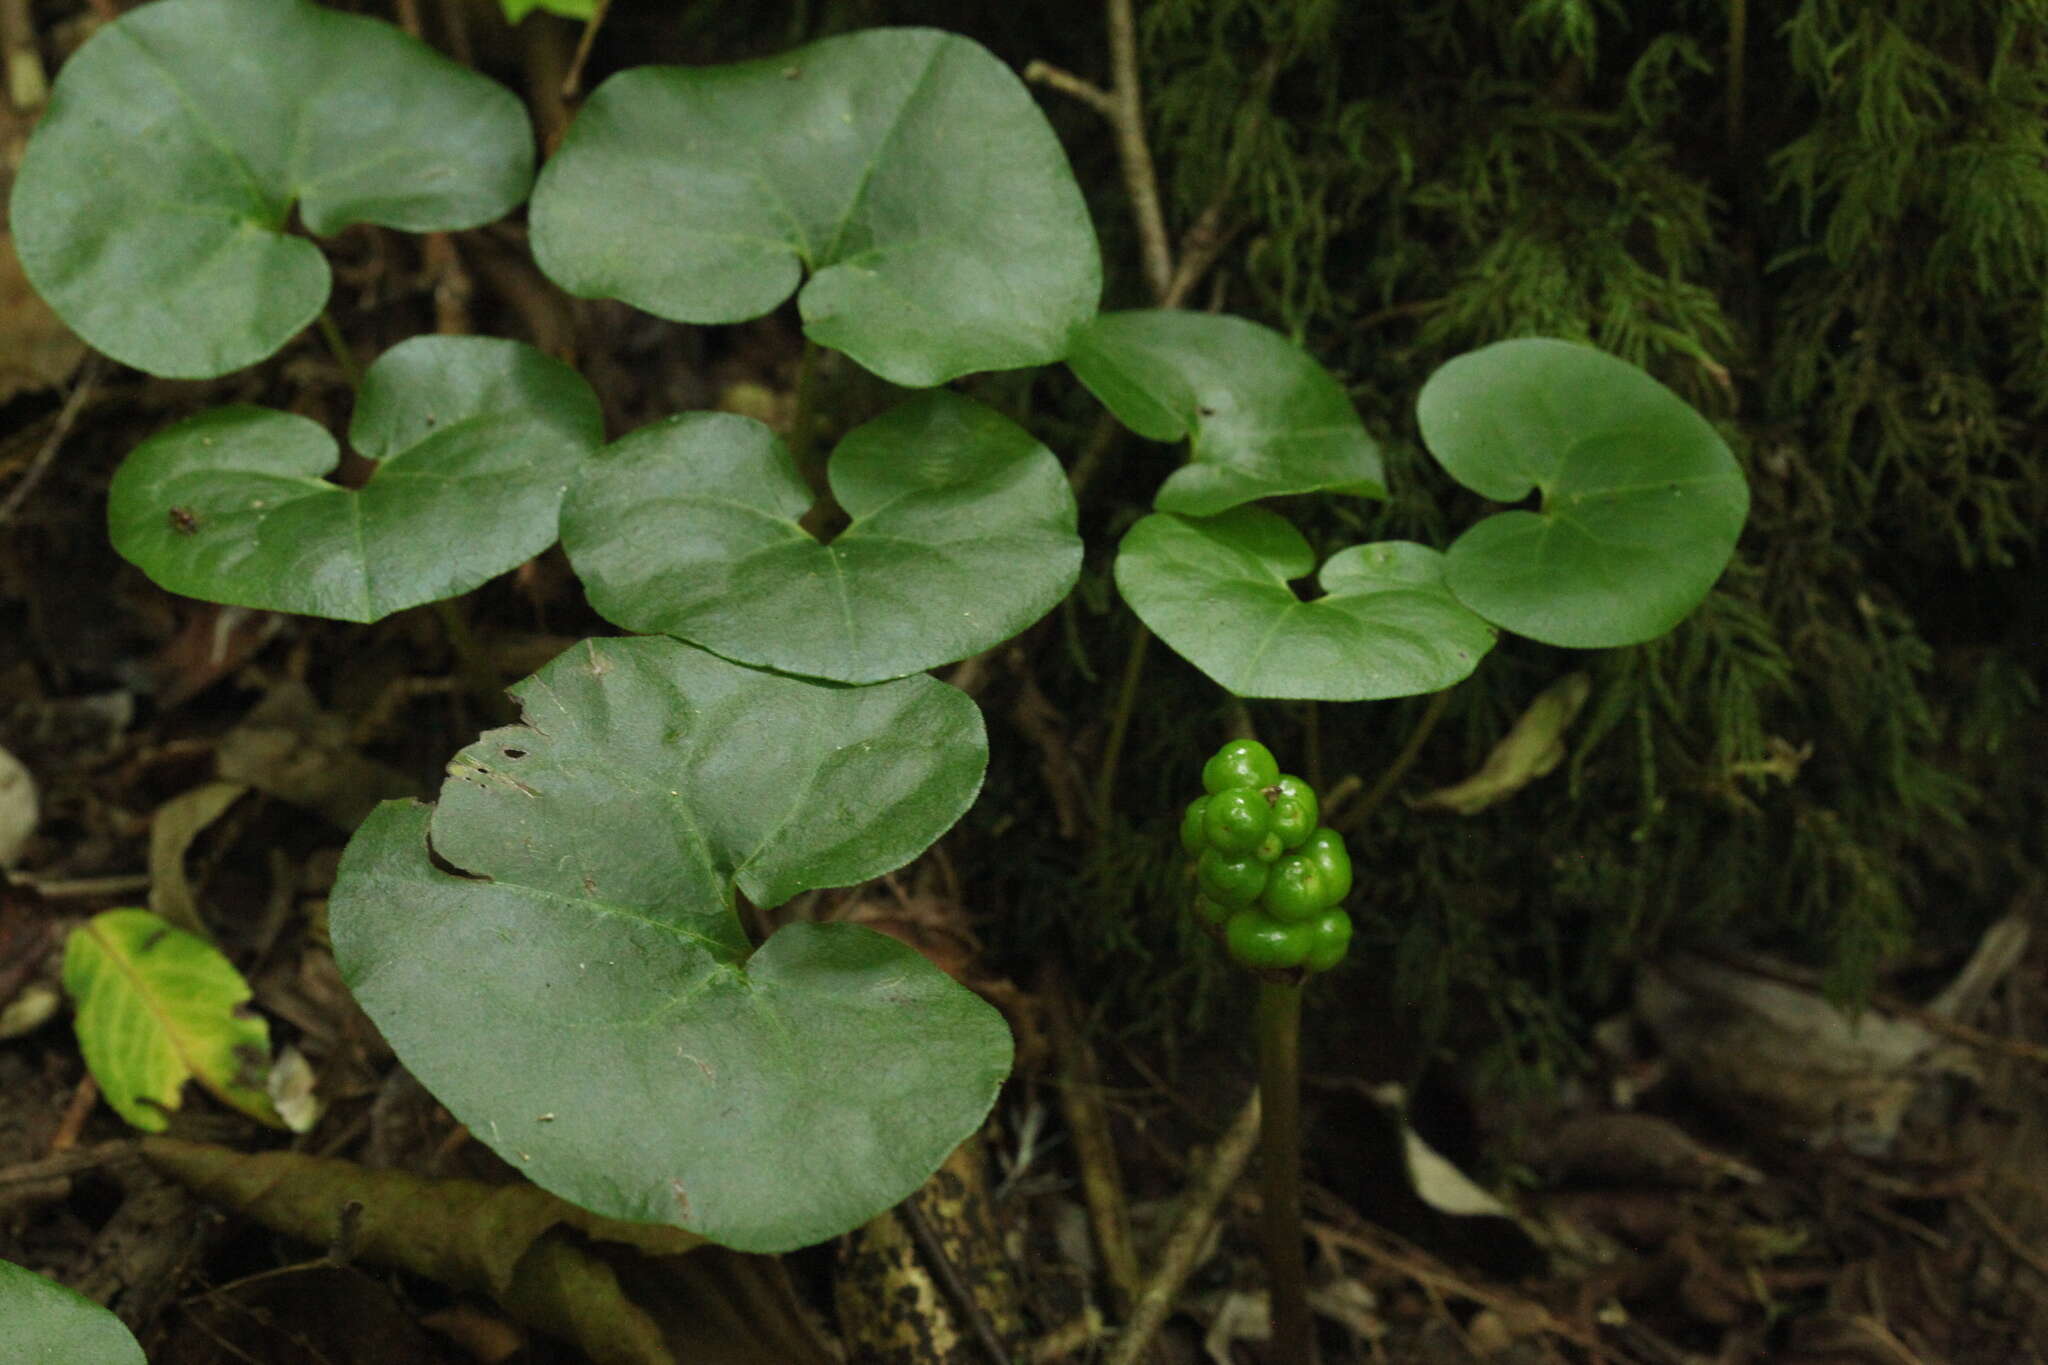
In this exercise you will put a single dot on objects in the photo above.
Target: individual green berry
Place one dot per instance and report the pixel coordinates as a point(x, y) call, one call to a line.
point(1234, 881)
point(1191, 826)
point(1287, 784)
point(1236, 819)
point(1240, 763)
point(1212, 911)
point(1257, 939)
point(1329, 939)
point(1296, 890)
point(1295, 809)
point(1325, 848)
point(1270, 848)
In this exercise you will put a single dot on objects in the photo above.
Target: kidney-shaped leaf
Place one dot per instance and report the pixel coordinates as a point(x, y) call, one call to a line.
point(43, 1323)
point(476, 439)
point(152, 202)
point(1260, 416)
point(1642, 500)
point(1217, 589)
point(907, 170)
point(582, 996)
point(158, 1007)
point(962, 535)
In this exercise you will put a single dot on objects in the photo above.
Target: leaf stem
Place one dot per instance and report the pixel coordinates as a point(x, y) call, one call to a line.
point(338, 345)
point(572, 84)
point(800, 418)
point(1355, 819)
point(477, 670)
point(1280, 1159)
point(1312, 740)
point(1101, 441)
point(1119, 726)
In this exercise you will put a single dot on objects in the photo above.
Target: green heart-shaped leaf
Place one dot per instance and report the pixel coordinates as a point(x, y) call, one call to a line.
point(962, 535)
point(582, 994)
point(1642, 500)
point(1217, 590)
point(43, 1323)
point(152, 202)
point(1261, 417)
point(907, 170)
point(476, 440)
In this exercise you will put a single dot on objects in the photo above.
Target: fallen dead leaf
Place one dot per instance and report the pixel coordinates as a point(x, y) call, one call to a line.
point(288, 747)
point(19, 808)
point(1787, 1060)
point(1532, 748)
point(176, 824)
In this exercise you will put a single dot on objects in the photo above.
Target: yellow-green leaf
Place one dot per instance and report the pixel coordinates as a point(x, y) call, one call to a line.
point(158, 1007)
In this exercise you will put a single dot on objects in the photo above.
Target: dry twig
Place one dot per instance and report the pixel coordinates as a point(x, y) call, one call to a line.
point(1067, 83)
point(1141, 182)
point(67, 416)
point(1123, 107)
point(1101, 1178)
point(572, 84)
point(72, 1161)
point(1179, 1257)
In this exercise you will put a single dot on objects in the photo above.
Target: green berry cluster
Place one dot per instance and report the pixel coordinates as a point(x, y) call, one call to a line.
point(1271, 879)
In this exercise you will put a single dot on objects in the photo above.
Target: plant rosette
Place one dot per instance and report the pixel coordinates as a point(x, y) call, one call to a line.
point(1270, 881)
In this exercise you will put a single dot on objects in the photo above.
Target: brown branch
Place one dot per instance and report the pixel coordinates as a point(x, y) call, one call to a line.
point(67, 416)
point(1094, 1147)
point(572, 84)
point(2012, 1241)
point(72, 1161)
point(89, 888)
point(1141, 181)
point(1067, 83)
point(1395, 1253)
point(1182, 1253)
point(83, 1099)
point(1125, 110)
point(1199, 248)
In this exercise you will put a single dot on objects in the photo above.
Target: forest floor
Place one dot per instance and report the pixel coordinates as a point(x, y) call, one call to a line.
point(1750, 1179)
